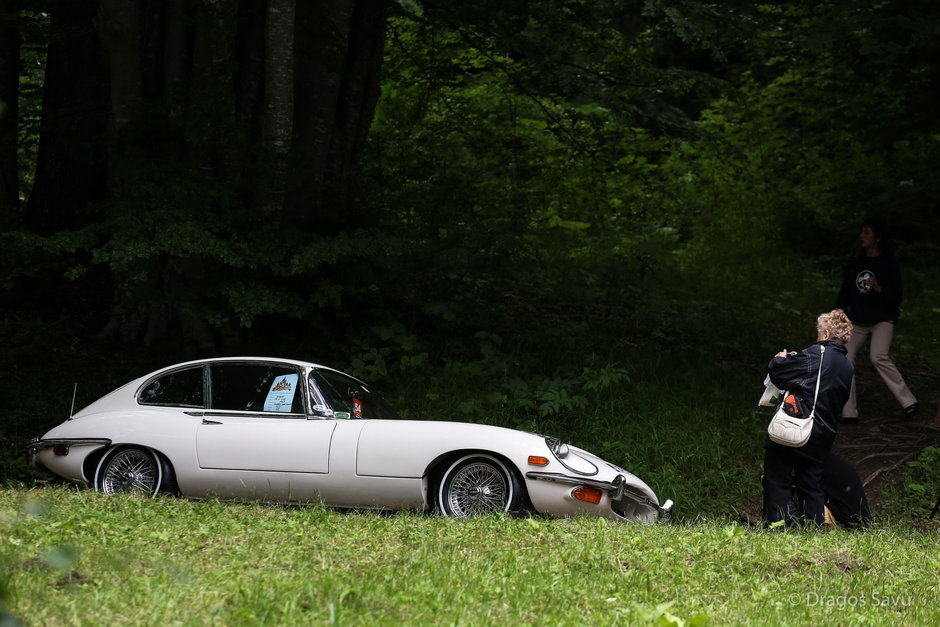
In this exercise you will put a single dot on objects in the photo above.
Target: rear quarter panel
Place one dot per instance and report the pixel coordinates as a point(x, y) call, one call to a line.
point(167, 430)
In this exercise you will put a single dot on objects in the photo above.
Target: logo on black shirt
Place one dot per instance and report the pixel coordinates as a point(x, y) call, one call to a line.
point(861, 281)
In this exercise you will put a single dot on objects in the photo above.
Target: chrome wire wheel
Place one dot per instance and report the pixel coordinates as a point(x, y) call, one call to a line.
point(477, 485)
point(129, 470)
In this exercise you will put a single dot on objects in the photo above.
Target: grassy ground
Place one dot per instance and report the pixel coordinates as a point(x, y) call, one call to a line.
point(81, 558)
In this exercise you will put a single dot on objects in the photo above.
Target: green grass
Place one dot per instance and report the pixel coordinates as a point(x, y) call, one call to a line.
point(82, 558)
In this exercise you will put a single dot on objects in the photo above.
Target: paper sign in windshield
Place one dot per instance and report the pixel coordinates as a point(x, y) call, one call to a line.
point(281, 395)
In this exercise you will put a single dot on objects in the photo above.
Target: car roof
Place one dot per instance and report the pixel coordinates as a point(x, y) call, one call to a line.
point(240, 359)
point(134, 386)
point(246, 358)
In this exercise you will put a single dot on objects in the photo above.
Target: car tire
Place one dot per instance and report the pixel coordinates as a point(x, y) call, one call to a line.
point(479, 484)
point(130, 469)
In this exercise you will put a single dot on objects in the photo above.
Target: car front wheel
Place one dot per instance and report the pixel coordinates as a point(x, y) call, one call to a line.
point(129, 469)
point(478, 484)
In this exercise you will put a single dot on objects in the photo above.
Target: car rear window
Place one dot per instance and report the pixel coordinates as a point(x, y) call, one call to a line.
point(182, 388)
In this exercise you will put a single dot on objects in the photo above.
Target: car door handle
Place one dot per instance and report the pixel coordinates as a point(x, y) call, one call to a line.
point(206, 421)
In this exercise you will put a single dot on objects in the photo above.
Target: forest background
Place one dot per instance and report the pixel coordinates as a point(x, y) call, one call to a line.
point(587, 218)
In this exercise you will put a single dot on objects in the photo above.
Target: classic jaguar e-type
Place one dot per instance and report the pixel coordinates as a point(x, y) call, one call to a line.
point(281, 430)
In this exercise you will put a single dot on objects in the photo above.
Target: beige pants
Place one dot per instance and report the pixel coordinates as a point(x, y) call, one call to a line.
point(880, 334)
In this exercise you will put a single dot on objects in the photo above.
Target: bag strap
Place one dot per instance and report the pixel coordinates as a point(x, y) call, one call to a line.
point(822, 353)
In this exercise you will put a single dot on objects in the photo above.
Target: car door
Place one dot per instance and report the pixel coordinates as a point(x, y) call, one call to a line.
point(256, 420)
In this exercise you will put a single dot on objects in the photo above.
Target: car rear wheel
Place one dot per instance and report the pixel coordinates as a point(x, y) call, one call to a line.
point(130, 469)
point(479, 484)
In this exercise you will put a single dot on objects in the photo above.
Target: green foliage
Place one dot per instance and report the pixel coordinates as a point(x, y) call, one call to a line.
point(556, 220)
point(922, 480)
point(660, 615)
point(598, 170)
point(825, 133)
point(387, 349)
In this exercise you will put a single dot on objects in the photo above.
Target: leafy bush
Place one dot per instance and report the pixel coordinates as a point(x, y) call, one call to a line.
point(922, 481)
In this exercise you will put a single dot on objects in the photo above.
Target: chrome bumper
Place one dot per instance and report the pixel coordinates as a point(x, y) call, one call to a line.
point(36, 444)
point(616, 489)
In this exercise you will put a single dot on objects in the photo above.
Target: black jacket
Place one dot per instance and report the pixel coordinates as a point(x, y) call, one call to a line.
point(868, 307)
point(796, 374)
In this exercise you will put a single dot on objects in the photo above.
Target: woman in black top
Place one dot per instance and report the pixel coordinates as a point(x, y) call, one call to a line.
point(871, 296)
point(802, 467)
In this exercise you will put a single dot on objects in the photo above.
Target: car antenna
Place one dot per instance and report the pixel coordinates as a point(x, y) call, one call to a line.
point(72, 408)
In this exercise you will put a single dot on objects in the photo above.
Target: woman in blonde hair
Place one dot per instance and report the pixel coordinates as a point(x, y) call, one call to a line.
point(802, 467)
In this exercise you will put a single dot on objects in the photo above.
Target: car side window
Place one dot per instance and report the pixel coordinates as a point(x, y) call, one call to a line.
point(182, 388)
point(338, 391)
point(256, 388)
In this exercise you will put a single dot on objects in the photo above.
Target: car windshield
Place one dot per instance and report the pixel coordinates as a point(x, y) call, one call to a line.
point(344, 396)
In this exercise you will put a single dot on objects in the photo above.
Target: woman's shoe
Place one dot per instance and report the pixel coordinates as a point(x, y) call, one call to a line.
point(848, 420)
point(910, 411)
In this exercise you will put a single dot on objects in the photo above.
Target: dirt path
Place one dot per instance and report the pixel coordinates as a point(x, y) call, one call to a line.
point(881, 443)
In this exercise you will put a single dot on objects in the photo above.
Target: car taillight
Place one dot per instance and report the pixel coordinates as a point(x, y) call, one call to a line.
point(61, 449)
point(588, 495)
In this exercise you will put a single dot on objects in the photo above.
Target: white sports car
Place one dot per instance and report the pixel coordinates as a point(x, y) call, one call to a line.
point(281, 430)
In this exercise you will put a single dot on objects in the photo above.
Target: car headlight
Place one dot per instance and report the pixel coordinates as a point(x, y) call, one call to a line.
point(558, 448)
point(572, 461)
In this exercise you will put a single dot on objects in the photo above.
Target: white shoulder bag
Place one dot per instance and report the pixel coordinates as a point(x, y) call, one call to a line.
point(788, 426)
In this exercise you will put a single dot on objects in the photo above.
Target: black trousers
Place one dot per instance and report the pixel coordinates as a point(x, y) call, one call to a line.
point(802, 467)
point(845, 494)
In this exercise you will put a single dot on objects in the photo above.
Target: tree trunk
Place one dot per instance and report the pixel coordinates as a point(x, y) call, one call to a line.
point(278, 113)
point(71, 163)
point(9, 97)
point(119, 28)
point(175, 57)
point(339, 55)
point(250, 77)
point(358, 95)
point(225, 115)
point(214, 151)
